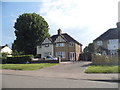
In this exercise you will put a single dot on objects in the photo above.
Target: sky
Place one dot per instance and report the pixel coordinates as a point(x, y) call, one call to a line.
point(84, 20)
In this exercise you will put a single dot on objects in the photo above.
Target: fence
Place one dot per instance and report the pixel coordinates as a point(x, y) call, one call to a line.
point(105, 59)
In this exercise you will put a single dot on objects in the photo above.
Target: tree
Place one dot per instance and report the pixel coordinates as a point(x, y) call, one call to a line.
point(88, 51)
point(30, 29)
point(89, 48)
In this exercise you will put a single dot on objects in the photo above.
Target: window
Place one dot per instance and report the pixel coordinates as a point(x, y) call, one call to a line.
point(99, 43)
point(39, 46)
point(46, 45)
point(60, 44)
point(113, 41)
point(60, 54)
point(113, 52)
point(71, 44)
point(47, 54)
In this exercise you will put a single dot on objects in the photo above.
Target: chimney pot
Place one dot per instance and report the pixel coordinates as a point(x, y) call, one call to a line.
point(59, 31)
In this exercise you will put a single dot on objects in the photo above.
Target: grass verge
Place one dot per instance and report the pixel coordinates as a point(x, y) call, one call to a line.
point(103, 69)
point(26, 66)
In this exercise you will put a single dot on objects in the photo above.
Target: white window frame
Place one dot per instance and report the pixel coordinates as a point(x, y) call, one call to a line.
point(46, 45)
point(71, 44)
point(60, 54)
point(99, 43)
point(60, 44)
point(113, 41)
point(47, 53)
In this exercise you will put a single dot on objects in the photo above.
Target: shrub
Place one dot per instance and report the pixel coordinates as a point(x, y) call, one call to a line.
point(19, 59)
point(16, 53)
point(3, 57)
point(105, 59)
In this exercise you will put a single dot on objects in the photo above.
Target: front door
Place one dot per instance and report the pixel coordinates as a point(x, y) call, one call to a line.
point(72, 56)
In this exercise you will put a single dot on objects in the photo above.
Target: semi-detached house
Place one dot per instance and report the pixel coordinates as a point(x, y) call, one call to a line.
point(60, 45)
point(109, 42)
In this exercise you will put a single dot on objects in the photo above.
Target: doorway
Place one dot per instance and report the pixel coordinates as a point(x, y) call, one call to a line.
point(72, 56)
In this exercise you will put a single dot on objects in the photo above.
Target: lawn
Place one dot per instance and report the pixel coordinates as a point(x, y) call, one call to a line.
point(103, 69)
point(26, 66)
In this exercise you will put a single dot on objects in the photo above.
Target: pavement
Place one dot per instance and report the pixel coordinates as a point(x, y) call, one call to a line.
point(66, 70)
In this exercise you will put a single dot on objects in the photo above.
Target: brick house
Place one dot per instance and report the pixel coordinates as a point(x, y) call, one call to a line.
point(60, 45)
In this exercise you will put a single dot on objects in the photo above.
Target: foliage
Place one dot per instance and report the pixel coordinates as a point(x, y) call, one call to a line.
point(89, 48)
point(119, 52)
point(26, 66)
point(30, 29)
point(16, 53)
point(103, 69)
point(88, 51)
point(3, 55)
point(19, 59)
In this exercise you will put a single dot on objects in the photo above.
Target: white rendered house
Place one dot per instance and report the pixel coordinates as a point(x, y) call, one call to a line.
point(46, 48)
point(6, 49)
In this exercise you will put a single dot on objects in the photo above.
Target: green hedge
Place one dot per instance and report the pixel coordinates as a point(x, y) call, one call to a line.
point(19, 59)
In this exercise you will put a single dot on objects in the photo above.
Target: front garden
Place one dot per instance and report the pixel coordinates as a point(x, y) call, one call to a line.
point(26, 66)
point(23, 62)
point(103, 69)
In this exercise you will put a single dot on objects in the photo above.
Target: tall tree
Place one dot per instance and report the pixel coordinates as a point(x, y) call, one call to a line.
point(30, 29)
point(89, 48)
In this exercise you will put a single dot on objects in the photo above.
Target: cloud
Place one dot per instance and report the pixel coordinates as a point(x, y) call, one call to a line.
point(77, 16)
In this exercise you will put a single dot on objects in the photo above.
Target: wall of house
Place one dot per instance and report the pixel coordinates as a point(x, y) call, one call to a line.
point(6, 49)
point(67, 49)
point(42, 50)
point(104, 44)
point(78, 51)
point(62, 49)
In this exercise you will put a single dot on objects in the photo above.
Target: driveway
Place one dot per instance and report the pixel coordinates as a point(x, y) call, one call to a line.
point(70, 70)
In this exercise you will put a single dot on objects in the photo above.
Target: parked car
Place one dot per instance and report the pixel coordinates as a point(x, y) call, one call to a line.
point(49, 57)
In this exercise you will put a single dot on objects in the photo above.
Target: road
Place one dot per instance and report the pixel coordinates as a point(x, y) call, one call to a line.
point(21, 81)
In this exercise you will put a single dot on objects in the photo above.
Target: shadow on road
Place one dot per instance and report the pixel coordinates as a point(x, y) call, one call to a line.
point(112, 81)
point(86, 65)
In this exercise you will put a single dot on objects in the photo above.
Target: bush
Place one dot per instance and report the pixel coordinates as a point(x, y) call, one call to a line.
point(16, 53)
point(105, 59)
point(3, 58)
point(19, 59)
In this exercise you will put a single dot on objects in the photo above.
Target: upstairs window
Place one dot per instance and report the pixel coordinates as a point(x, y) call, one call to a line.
point(39, 46)
point(113, 41)
point(71, 44)
point(60, 44)
point(46, 45)
point(99, 43)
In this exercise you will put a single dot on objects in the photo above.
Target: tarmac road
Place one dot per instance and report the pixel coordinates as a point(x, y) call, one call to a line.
point(13, 81)
point(64, 75)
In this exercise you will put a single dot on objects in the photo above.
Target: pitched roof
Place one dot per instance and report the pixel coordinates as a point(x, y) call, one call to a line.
point(109, 34)
point(66, 37)
point(1, 47)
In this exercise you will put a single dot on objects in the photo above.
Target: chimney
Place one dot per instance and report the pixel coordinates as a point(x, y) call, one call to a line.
point(59, 31)
point(118, 24)
point(6, 45)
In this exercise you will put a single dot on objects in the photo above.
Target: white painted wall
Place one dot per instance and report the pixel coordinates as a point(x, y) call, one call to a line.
point(42, 50)
point(6, 49)
point(46, 41)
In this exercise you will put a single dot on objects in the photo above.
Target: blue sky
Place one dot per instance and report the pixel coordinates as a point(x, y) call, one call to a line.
point(84, 20)
point(11, 11)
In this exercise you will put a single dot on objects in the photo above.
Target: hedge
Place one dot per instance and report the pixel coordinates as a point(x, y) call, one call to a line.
point(19, 59)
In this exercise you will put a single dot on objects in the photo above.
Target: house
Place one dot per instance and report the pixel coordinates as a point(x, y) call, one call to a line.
point(60, 45)
point(5, 49)
point(109, 42)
